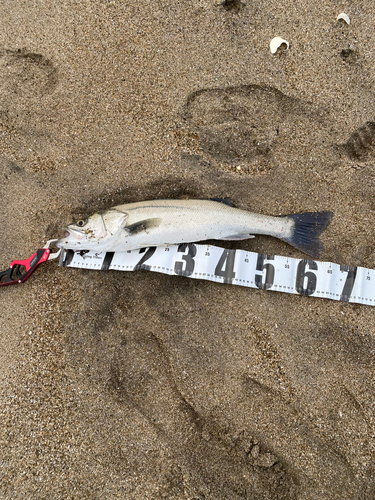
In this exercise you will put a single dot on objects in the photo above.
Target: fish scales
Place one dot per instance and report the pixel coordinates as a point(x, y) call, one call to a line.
point(190, 221)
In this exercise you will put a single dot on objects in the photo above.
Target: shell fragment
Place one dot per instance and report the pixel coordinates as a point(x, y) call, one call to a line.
point(344, 17)
point(276, 43)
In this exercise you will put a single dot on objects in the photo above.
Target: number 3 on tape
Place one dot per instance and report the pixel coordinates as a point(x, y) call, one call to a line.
point(238, 267)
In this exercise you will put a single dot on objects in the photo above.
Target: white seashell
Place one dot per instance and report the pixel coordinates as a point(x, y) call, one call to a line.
point(344, 17)
point(276, 43)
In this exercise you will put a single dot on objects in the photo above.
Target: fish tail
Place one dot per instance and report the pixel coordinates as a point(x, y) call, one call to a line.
point(307, 228)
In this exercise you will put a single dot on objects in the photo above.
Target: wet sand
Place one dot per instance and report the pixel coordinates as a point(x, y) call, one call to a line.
point(139, 385)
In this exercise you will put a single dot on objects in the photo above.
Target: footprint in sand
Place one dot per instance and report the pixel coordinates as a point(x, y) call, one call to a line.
point(239, 124)
point(23, 76)
point(361, 143)
point(26, 74)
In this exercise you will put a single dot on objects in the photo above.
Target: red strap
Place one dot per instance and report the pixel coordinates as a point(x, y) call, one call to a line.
point(13, 275)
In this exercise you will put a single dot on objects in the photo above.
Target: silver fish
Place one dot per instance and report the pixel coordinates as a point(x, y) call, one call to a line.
point(167, 222)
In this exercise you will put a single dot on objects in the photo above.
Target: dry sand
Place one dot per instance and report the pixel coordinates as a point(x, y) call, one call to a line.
point(143, 386)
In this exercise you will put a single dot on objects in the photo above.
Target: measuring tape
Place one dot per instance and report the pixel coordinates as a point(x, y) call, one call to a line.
point(238, 267)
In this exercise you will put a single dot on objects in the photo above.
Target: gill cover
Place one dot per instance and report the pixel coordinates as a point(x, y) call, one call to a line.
point(114, 220)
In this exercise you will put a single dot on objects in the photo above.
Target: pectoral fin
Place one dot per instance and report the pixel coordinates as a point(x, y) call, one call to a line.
point(142, 225)
point(238, 237)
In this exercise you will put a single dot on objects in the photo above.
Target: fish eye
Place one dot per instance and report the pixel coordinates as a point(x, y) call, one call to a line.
point(81, 223)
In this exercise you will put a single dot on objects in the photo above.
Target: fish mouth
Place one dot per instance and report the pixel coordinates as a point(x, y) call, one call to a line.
point(69, 231)
point(65, 234)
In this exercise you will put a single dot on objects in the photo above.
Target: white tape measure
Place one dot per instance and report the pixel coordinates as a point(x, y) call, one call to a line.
point(238, 267)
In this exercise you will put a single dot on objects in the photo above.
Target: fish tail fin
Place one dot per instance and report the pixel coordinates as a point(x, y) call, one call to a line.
point(306, 231)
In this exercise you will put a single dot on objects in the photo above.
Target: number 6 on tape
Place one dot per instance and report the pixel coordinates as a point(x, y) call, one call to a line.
point(305, 278)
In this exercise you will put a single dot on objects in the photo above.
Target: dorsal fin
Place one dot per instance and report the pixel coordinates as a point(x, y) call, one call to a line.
point(227, 201)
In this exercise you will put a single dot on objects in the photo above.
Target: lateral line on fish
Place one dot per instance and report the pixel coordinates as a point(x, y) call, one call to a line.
point(158, 206)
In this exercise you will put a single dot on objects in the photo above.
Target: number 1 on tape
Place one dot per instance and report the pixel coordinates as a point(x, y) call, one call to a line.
point(238, 267)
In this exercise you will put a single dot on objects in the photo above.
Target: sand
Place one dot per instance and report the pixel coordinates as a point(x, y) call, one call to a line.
point(143, 386)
